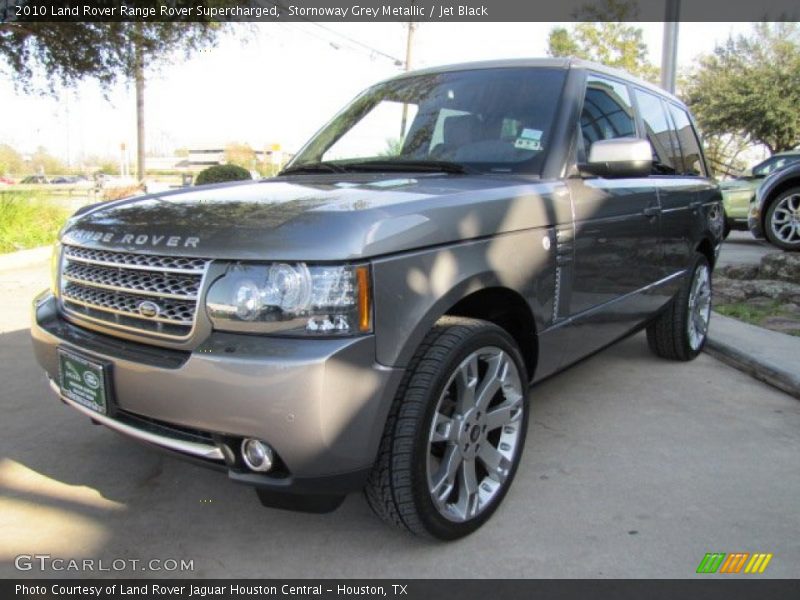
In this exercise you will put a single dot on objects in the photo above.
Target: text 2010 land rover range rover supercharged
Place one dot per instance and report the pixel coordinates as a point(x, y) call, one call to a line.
point(373, 316)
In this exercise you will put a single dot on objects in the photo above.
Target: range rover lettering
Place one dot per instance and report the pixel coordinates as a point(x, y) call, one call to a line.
point(373, 317)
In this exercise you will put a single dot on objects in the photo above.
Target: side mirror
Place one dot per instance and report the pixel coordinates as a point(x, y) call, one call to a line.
point(748, 173)
point(622, 157)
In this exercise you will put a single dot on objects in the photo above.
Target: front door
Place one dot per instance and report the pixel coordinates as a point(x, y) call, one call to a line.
point(617, 245)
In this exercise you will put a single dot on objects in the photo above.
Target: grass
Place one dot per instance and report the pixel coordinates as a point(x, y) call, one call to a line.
point(28, 221)
point(754, 315)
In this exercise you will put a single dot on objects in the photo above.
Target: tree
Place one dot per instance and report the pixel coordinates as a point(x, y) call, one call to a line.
point(43, 162)
point(609, 41)
point(750, 87)
point(66, 53)
point(240, 154)
point(10, 161)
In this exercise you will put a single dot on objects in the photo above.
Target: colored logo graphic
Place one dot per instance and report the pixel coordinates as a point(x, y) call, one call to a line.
point(720, 562)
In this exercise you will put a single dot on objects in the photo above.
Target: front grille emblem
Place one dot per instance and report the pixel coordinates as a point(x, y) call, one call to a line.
point(149, 309)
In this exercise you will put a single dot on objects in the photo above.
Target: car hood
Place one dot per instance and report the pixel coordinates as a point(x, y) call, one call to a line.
point(316, 217)
point(734, 185)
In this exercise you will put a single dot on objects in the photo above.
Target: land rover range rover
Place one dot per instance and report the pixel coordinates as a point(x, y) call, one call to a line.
point(372, 317)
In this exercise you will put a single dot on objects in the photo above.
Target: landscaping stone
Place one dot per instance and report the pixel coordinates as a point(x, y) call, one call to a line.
point(784, 266)
point(737, 290)
point(738, 272)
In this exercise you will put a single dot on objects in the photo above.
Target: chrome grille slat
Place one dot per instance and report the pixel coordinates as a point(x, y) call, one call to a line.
point(123, 304)
point(111, 290)
point(144, 262)
point(140, 282)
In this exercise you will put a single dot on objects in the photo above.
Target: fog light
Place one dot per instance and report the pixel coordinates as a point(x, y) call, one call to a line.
point(257, 455)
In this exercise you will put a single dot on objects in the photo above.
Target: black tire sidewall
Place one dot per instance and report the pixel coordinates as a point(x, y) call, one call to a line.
point(768, 233)
point(435, 523)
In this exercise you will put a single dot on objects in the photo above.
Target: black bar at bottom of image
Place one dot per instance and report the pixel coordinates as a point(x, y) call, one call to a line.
point(405, 589)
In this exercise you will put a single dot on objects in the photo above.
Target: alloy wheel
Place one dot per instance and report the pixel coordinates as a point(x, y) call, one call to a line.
point(699, 307)
point(785, 222)
point(475, 434)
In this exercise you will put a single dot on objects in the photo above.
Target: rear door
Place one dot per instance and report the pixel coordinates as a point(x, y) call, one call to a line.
point(678, 178)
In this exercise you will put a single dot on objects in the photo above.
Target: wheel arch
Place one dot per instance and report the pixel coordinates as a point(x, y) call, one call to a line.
point(508, 310)
point(706, 247)
point(481, 296)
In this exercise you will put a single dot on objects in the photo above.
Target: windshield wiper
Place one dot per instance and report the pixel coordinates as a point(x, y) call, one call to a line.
point(440, 166)
point(317, 167)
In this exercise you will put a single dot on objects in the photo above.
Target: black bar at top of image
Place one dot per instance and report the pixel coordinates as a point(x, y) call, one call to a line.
point(711, 588)
point(387, 10)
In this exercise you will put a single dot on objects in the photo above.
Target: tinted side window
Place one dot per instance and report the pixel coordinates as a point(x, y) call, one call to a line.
point(666, 154)
point(607, 112)
point(692, 163)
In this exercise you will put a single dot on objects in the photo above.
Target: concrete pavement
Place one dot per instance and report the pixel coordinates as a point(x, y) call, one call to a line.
point(634, 467)
point(741, 248)
point(767, 355)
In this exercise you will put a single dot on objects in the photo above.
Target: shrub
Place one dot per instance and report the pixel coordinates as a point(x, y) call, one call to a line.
point(118, 193)
point(27, 221)
point(220, 173)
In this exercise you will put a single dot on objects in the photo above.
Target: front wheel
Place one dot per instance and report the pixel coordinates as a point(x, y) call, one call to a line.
point(455, 432)
point(783, 220)
point(680, 332)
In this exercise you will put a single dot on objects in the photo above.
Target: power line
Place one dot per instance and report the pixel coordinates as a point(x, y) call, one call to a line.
point(372, 49)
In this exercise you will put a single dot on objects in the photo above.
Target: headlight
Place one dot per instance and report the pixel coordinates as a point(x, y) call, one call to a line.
point(55, 264)
point(292, 299)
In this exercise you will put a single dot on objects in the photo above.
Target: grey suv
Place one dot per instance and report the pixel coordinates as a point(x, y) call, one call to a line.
point(373, 317)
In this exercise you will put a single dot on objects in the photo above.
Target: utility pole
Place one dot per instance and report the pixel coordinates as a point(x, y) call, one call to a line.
point(138, 75)
point(407, 67)
point(669, 50)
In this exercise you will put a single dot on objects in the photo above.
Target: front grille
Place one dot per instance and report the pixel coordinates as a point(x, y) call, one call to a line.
point(153, 295)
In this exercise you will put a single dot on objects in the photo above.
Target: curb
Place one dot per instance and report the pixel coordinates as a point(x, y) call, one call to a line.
point(758, 368)
point(25, 258)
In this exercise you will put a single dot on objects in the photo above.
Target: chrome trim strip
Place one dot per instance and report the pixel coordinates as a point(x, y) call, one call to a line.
point(193, 448)
point(125, 290)
point(69, 298)
point(114, 265)
point(110, 327)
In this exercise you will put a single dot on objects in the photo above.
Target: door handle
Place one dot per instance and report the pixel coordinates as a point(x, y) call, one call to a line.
point(695, 205)
point(652, 211)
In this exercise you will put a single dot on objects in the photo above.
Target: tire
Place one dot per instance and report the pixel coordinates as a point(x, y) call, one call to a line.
point(681, 330)
point(432, 425)
point(726, 227)
point(782, 221)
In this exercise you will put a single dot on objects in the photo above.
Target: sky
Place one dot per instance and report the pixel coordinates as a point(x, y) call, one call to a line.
point(274, 83)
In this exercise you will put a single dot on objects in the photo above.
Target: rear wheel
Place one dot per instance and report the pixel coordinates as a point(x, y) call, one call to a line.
point(455, 432)
point(680, 332)
point(783, 220)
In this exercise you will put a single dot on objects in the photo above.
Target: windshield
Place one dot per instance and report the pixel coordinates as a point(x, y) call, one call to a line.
point(485, 120)
point(774, 163)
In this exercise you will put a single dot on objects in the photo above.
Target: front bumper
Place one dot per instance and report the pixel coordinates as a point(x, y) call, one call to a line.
point(754, 221)
point(321, 404)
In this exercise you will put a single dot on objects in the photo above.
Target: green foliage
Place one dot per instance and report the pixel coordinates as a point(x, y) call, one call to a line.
point(605, 38)
point(750, 87)
point(10, 161)
point(108, 167)
point(221, 173)
point(393, 147)
point(754, 314)
point(65, 53)
point(43, 162)
point(26, 221)
point(240, 154)
point(722, 153)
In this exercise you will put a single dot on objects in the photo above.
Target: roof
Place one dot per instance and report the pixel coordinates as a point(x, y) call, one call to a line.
point(551, 62)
